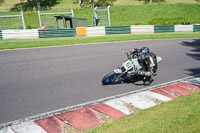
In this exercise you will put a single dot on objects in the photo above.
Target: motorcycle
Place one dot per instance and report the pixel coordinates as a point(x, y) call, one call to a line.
point(128, 70)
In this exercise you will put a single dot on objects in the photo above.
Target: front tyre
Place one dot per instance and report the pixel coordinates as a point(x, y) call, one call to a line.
point(108, 79)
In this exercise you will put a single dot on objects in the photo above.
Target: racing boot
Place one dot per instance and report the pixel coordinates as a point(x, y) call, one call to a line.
point(148, 80)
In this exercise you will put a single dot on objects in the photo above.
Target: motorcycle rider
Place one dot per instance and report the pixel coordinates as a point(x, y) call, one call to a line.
point(148, 62)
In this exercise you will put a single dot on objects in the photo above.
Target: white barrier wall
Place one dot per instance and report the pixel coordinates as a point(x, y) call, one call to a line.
point(20, 34)
point(183, 28)
point(96, 31)
point(90, 31)
point(142, 29)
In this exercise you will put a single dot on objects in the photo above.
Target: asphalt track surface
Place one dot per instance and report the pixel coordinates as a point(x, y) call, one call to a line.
point(39, 80)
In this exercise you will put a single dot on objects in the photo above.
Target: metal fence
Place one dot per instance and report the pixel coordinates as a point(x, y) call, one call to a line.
point(103, 14)
point(12, 21)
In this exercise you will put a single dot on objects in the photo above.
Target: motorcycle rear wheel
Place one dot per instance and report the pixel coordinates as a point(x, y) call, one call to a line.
point(108, 78)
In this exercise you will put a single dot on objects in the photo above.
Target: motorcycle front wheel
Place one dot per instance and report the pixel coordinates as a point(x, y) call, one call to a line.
point(109, 78)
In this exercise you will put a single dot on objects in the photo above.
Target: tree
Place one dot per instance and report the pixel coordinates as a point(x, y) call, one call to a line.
point(105, 2)
point(28, 1)
point(152, 1)
point(31, 5)
point(92, 3)
point(38, 4)
point(1, 1)
point(79, 3)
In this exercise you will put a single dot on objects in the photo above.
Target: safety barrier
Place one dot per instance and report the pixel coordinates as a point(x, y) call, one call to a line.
point(19, 34)
point(0, 34)
point(163, 28)
point(56, 33)
point(142, 29)
point(196, 28)
point(183, 28)
point(118, 30)
point(96, 31)
point(81, 31)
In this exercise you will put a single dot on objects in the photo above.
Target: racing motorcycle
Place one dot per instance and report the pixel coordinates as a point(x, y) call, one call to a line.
point(127, 70)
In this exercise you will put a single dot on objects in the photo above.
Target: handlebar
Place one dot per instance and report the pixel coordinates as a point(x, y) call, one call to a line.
point(127, 54)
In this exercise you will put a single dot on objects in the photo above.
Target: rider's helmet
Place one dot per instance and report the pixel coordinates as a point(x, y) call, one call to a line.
point(144, 53)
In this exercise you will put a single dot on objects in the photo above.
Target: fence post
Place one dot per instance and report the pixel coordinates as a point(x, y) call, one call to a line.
point(24, 27)
point(95, 12)
point(108, 11)
point(72, 12)
point(40, 19)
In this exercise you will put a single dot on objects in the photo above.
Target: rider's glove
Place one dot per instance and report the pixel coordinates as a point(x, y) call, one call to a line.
point(130, 53)
point(135, 50)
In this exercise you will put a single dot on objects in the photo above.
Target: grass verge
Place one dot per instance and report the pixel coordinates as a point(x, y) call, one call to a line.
point(181, 115)
point(151, 14)
point(43, 42)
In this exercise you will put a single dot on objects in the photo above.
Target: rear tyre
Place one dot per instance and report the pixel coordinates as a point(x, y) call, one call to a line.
point(108, 79)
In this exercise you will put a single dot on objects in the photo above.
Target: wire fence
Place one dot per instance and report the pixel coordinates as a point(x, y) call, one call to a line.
point(103, 14)
point(48, 19)
point(12, 21)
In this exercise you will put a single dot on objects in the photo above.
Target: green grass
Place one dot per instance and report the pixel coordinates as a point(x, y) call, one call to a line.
point(28, 43)
point(126, 12)
point(136, 15)
point(181, 115)
point(155, 14)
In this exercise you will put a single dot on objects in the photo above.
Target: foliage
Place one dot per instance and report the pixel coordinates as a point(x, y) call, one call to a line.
point(1, 1)
point(88, 3)
point(31, 5)
point(153, 1)
point(28, 27)
point(104, 2)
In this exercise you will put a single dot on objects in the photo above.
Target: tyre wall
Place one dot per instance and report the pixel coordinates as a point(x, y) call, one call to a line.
point(183, 28)
point(142, 29)
point(163, 28)
point(96, 31)
point(20, 34)
point(118, 30)
point(0, 34)
point(56, 33)
point(196, 28)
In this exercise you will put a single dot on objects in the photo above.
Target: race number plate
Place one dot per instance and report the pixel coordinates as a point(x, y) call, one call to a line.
point(128, 65)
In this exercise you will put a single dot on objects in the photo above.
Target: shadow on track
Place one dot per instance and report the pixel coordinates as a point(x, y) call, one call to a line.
point(195, 54)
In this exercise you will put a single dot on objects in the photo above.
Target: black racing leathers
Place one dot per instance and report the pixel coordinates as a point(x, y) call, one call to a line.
point(149, 65)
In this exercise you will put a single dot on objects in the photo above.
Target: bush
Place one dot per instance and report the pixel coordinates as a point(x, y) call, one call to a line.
point(28, 27)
